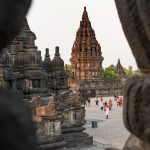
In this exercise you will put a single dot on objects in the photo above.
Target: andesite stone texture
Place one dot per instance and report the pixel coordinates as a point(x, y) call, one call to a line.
point(11, 19)
point(136, 111)
point(16, 128)
point(24, 72)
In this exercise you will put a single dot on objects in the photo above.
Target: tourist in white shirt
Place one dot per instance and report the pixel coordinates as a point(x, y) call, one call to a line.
point(107, 111)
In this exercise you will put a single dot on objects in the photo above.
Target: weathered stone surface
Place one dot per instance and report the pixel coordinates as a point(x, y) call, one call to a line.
point(100, 87)
point(87, 61)
point(136, 25)
point(134, 143)
point(17, 132)
point(78, 139)
point(11, 19)
point(47, 123)
point(86, 57)
point(136, 107)
point(16, 126)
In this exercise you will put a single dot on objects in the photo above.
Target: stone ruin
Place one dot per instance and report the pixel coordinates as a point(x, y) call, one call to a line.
point(86, 60)
point(134, 16)
point(23, 70)
point(59, 121)
point(58, 113)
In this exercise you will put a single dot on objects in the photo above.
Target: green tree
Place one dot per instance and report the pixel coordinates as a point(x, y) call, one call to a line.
point(68, 68)
point(109, 73)
point(111, 67)
point(130, 72)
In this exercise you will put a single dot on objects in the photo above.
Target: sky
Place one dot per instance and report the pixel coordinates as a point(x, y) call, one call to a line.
point(55, 23)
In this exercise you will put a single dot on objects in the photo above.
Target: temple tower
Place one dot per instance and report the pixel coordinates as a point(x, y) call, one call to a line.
point(47, 64)
point(59, 76)
point(119, 70)
point(22, 68)
point(86, 53)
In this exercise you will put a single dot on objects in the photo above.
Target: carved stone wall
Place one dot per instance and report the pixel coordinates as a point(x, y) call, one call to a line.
point(86, 53)
point(86, 60)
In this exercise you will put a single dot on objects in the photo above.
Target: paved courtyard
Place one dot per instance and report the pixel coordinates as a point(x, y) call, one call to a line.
point(110, 132)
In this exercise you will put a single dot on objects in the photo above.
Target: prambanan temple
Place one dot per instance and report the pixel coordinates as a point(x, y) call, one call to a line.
point(43, 84)
point(23, 70)
point(58, 112)
point(87, 61)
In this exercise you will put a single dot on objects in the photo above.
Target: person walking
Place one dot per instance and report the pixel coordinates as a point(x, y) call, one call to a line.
point(96, 101)
point(115, 97)
point(107, 111)
point(101, 104)
point(118, 102)
point(105, 105)
point(89, 102)
point(110, 104)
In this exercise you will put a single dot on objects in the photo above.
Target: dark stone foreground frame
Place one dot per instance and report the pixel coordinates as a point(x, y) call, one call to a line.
point(135, 20)
point(16, 128)
point(12, 14)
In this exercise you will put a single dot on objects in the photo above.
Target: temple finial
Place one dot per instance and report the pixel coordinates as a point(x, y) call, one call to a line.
point(118, 61)
point(57, 51)
point(47, 51)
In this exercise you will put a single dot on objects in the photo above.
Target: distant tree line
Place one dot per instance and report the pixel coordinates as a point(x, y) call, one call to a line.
point(110, 71)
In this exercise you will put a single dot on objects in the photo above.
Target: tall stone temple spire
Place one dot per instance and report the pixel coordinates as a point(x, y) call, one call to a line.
point(86, 53)
point(119, 69)
point(47, 64)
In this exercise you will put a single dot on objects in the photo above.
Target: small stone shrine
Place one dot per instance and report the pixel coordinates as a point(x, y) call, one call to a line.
point(57, 77)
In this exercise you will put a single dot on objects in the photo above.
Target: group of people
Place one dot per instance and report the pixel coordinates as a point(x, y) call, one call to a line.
point(118, 99)
point(104, 105)
point(107, 106)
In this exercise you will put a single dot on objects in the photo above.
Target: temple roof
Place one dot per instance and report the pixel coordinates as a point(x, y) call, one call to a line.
point(57, 62)
point(85, 19)
point(85, 41)
point(86, 51)
point(119, 68)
